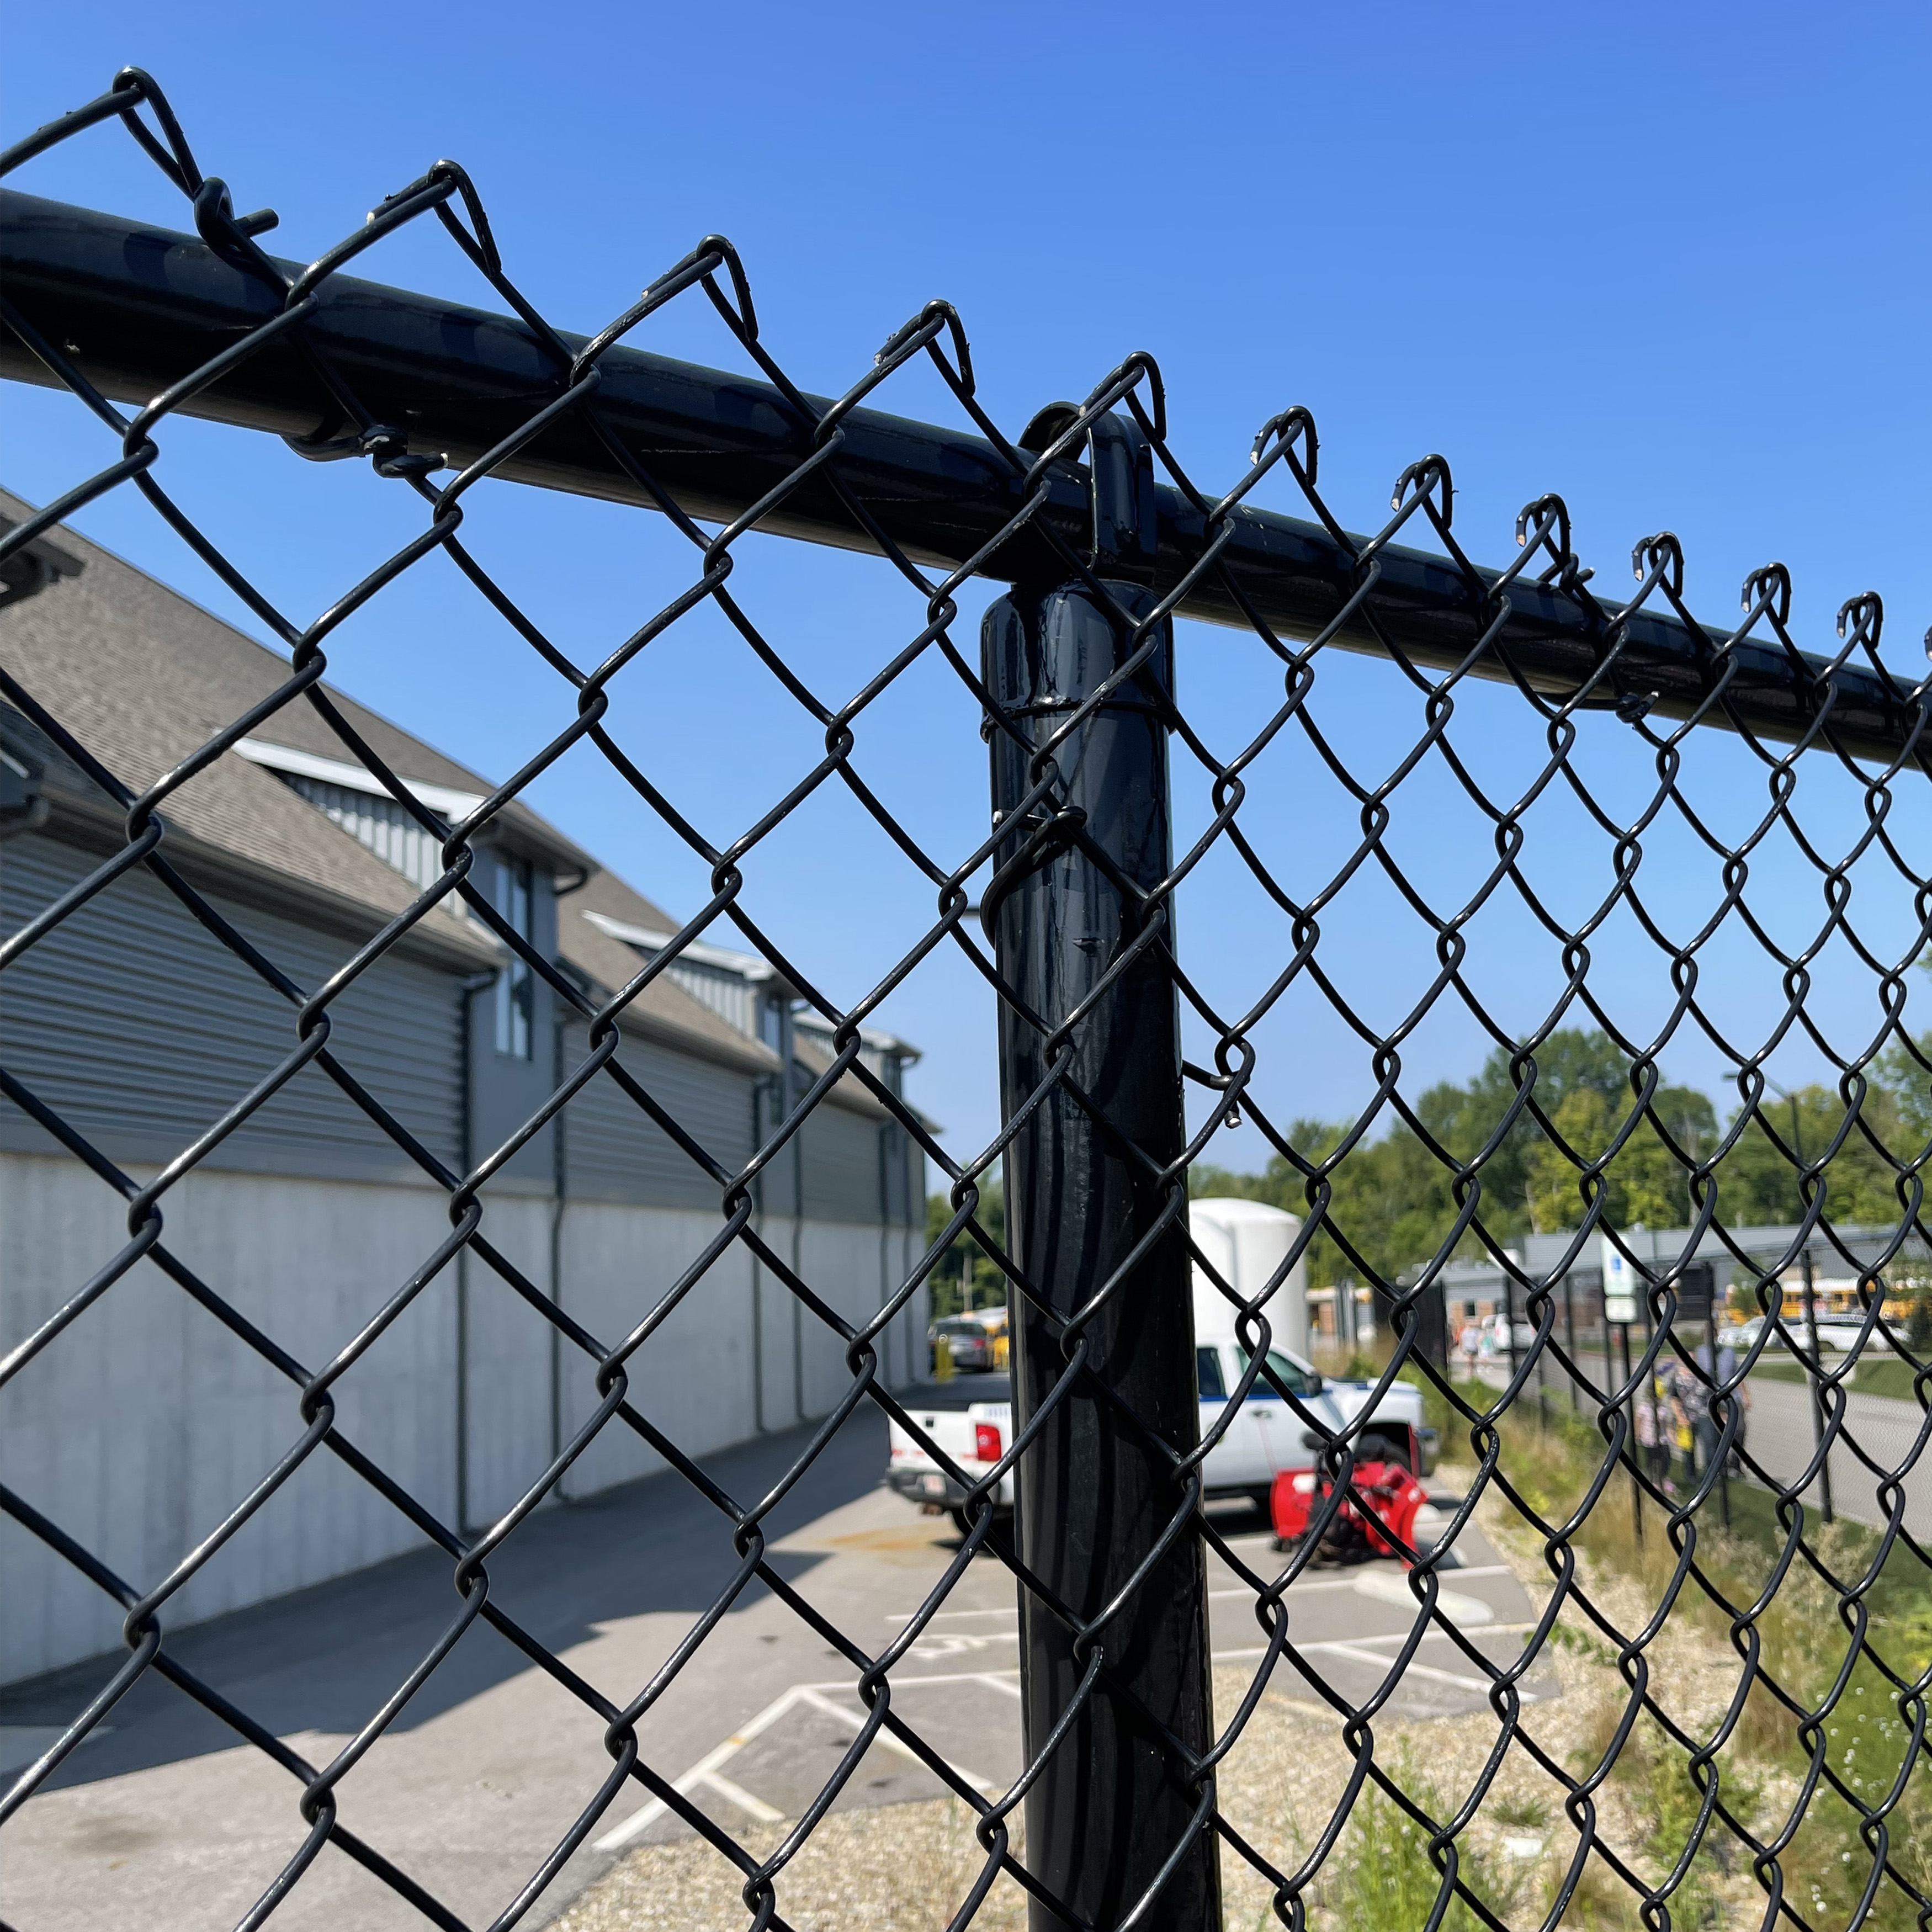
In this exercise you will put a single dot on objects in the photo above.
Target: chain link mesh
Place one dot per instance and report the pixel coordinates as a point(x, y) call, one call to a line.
point(1602, 1388)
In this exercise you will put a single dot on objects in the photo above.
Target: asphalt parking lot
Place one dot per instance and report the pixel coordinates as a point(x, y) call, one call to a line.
point(167, 1823)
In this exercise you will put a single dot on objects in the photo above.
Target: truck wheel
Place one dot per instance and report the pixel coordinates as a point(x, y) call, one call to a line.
point(961, 1522)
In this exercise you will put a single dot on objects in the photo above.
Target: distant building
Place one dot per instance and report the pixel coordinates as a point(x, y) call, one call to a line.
point(141, 1426)
point(1475, 1289)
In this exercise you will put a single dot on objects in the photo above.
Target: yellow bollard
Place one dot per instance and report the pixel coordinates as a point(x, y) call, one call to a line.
point(942, 1360)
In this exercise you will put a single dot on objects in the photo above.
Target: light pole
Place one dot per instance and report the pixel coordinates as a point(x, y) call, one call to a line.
point(1811, 1308)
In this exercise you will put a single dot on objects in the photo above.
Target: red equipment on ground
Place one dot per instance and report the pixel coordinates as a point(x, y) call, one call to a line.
point(1385, 1528)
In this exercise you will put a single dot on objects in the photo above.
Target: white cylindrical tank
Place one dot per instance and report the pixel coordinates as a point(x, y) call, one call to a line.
point(1247, 1241)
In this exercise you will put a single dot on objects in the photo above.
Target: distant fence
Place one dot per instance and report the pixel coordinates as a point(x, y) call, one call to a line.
point(1105, 541)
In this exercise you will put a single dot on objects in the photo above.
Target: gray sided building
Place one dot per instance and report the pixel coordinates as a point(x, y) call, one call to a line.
point(140, 1427)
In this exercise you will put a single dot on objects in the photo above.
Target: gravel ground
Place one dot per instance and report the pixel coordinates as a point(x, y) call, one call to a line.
point(896, 1868)
point(909, 1866)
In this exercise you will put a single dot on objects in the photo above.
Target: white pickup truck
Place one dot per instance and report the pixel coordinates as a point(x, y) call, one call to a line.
point(971, 1416)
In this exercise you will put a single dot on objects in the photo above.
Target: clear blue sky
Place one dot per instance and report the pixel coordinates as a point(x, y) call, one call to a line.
point(1671, 261)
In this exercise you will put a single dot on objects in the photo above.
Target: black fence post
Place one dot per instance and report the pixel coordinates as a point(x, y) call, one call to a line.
point(1111, 1816)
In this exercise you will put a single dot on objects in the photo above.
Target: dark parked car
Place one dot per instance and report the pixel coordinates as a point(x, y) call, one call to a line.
point(970, 1341)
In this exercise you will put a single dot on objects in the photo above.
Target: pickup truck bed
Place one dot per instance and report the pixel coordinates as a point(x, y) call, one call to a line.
point(971, 1418)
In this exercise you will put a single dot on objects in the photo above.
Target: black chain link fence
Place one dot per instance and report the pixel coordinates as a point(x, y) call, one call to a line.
point(1094, 1057)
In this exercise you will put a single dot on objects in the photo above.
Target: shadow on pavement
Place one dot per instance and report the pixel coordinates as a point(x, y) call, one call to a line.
point(323, 1659)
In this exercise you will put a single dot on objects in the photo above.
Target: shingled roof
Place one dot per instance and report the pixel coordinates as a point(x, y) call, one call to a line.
point(143, 676)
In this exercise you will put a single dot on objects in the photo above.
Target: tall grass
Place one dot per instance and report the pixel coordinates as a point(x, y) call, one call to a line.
point(1380, 1875)
point(1550, 1460)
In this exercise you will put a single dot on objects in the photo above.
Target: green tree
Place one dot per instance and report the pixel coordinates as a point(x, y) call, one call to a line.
point(963, 1276)
point(1759, 1183)
point(1393, 1199)
point(1904, 1075)
point(1910, 1087)
point(1648, 1182)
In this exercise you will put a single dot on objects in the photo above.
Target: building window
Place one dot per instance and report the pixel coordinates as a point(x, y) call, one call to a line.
point(514, 990)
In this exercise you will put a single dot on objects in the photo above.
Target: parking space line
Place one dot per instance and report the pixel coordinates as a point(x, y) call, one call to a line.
point(1356, 1649)
point(819, 1702)
point(821, 1697)
point(707, 1769)
point(1456, 1605)
point(646, 1816)
point(755, 1808)
point(1430, 1636)
point(906, 1616)
point(1294, 1590)
point(1375, 1637)
point(957, 1643)
point(930, 1677)
point(1298, 1589)
point(1412, 1669)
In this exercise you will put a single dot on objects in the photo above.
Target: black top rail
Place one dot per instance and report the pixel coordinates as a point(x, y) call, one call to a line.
point(143, 307)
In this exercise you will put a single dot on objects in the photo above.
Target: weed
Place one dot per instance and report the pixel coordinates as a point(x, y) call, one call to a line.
point(1584, 1643)
point(1766, 1730)
point(1381, 1875)
point(1522, 1811)
point(1599, 1730)
point(1667, 1799)
point(1601, 1903)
